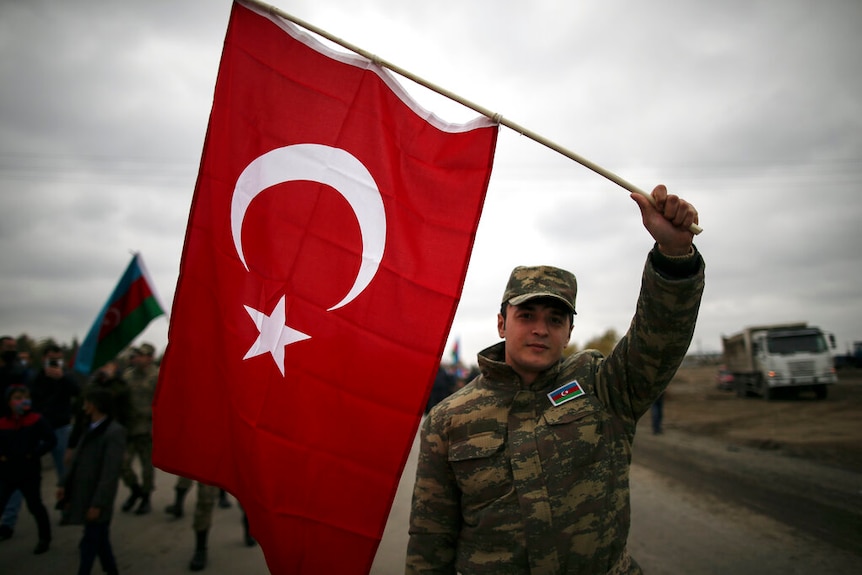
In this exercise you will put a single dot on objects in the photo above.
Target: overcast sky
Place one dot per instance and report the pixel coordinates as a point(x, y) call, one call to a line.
point(750, 110)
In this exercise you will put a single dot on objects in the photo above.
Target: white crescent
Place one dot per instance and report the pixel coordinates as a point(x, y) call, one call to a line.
point(334, 167)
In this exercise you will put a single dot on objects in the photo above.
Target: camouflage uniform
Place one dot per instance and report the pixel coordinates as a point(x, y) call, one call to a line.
point(207, 495)
point(508, 483)
point(142, 387)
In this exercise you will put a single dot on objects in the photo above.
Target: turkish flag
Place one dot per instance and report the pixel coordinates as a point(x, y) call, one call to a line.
point(326, 250)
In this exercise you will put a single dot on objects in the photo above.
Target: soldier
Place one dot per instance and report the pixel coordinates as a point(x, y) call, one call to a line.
point(526, 468)
point(202, 519)
point(141, 378)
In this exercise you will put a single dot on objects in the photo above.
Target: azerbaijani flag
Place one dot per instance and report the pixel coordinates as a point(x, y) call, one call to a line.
point(132, 306)
point(563, 394)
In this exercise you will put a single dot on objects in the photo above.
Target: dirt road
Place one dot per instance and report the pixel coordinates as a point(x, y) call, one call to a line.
point(826, 431)
point(707, 498)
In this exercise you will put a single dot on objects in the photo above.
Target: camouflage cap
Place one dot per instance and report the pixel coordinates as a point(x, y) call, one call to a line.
point(144, 349)
point(530, 282)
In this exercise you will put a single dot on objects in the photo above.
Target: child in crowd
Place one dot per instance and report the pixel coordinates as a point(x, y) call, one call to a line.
point(25, 436)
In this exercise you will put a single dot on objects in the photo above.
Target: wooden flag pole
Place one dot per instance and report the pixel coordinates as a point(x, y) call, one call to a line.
point(498, 118)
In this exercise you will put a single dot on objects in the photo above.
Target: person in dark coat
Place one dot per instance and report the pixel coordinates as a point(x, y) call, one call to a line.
point(444, 385)
point(106, 377)
point(87, 492)
point(55, 393)
point(25, 436)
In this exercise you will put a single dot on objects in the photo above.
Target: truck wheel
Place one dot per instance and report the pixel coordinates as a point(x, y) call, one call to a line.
point(821, 391)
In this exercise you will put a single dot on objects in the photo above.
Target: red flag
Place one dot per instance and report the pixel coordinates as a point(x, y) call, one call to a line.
point(326, 250)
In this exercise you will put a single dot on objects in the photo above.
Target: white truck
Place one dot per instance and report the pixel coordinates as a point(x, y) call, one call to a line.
point(769, 358)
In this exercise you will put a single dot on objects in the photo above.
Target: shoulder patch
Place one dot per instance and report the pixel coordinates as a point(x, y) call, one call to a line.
point(566, 393)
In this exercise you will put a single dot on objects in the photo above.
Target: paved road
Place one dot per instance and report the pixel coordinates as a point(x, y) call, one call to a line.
point(676, 529)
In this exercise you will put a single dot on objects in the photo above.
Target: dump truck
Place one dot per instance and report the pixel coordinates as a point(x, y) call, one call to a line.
point(766, 360)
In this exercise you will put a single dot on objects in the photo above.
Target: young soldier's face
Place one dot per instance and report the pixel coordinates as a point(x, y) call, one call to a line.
point(536, 334)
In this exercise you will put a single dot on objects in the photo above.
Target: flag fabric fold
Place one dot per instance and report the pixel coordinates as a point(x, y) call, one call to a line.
point(130, 309)
point(327, 245)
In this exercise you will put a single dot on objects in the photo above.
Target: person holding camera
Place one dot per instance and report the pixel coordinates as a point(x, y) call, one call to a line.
point(55, 395)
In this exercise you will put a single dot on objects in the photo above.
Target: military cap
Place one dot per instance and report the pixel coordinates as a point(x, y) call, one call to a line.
point(144, 349)
point(530, 282)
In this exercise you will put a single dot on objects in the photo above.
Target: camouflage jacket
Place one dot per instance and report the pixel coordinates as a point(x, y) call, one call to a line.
point(142, 387)
point(509, 483)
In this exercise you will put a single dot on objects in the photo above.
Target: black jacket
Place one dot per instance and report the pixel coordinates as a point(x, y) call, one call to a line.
point(54, 398)
point(23, 441)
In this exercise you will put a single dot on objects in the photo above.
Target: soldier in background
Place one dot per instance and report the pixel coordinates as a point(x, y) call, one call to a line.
point(526, 469)
point(202, 522)
point(141, 379)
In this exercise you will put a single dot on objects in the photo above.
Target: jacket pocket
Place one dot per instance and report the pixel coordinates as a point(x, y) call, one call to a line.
point(480, 467)
point(574, 434)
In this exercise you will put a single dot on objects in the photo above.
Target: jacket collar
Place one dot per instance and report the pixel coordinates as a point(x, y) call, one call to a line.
point(498, 374)
point(99, 429)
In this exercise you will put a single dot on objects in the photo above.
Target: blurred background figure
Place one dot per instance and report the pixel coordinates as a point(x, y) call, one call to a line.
point(25, 436)
point(87, 494)
point(141, 378)
point(444, 385)
point(55, 395)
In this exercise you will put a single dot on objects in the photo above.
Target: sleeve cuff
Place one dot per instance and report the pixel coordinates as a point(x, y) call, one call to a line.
point(676, 267)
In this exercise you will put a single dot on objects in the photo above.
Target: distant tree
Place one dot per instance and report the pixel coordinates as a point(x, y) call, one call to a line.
point(604, 343)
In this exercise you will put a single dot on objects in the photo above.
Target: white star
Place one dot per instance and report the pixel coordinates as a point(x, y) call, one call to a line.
point(275, 335)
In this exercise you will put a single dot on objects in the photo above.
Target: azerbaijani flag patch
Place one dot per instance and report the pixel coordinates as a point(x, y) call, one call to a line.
point(563, 394)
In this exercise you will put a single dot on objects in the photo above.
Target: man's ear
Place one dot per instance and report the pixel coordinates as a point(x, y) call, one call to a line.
point(501, 325)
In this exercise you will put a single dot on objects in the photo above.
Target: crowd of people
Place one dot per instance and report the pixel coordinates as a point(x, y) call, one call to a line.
point(98, 432)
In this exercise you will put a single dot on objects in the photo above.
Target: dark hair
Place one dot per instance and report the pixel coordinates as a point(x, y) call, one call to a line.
point(53, 348)
point(102, 399)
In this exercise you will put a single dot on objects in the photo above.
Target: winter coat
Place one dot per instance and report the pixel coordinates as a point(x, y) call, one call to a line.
point(94, 474)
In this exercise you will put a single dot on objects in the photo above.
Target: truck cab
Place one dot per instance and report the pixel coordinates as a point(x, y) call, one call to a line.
point(798, 357)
